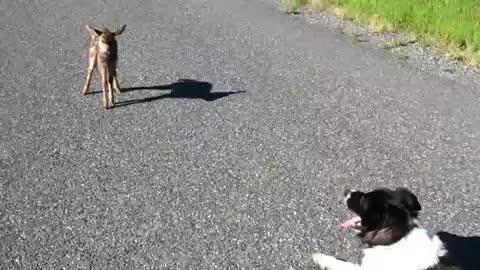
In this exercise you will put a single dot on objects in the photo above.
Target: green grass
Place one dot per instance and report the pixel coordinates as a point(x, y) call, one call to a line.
point(453, 26)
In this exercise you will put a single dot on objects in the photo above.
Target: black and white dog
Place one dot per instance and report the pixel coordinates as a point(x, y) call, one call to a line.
point(386, 222)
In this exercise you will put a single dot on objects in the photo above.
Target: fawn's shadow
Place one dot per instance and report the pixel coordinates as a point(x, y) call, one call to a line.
point(183, 88)
point(462, 250)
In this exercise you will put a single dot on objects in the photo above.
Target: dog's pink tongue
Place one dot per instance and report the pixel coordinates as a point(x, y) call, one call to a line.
point(351, 223)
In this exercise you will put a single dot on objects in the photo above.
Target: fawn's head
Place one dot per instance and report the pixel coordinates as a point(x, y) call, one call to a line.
point(104, 38)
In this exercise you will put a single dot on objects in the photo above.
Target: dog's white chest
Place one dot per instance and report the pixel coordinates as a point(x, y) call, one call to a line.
point(418, 251)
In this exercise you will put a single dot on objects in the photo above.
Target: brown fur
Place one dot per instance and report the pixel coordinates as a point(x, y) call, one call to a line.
point(103, 56)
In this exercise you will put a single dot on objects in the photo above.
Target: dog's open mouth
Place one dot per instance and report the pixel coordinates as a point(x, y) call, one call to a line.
point(354, 223)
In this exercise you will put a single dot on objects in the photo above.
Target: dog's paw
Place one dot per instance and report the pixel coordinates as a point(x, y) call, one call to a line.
point(326, 262)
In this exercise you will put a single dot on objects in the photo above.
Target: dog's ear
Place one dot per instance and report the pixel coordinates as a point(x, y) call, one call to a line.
point(120, 30)
point(364, 203)
point(409, 200)
point(93, 31)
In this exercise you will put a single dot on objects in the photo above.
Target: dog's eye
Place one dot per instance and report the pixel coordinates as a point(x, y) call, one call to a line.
point(363, 202)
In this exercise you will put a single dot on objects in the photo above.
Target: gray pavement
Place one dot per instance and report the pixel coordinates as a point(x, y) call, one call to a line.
point(184, 177)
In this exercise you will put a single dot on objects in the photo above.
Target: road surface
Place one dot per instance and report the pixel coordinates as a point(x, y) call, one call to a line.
point(240, 166)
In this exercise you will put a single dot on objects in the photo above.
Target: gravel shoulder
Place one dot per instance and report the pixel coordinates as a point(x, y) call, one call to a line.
point(414, 54)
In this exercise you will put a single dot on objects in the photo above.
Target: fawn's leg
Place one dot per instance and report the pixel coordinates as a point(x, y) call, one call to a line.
point(105, 87)
point(111, 97)
point(115, 84)
point(91, 67)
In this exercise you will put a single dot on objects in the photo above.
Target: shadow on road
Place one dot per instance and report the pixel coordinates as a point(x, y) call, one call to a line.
point(183, 88)
point(463, 250)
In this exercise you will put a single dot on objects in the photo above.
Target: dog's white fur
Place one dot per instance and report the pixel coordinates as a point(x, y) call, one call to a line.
point(418, 250)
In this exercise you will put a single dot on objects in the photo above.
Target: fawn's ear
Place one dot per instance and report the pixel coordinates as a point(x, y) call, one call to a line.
point(120, 30)
point(93, 31)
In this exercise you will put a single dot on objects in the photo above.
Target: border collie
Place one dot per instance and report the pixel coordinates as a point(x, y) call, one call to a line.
point(386, 222)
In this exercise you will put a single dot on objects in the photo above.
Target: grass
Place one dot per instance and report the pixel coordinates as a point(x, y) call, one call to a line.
point(452, 26)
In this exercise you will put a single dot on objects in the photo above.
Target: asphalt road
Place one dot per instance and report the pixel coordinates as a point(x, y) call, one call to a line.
point(182, 175)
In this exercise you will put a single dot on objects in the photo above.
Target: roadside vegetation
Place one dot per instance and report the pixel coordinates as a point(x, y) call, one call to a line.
point(452, 26)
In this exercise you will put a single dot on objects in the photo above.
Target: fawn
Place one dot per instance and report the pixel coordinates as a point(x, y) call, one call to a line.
point(103, 55)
